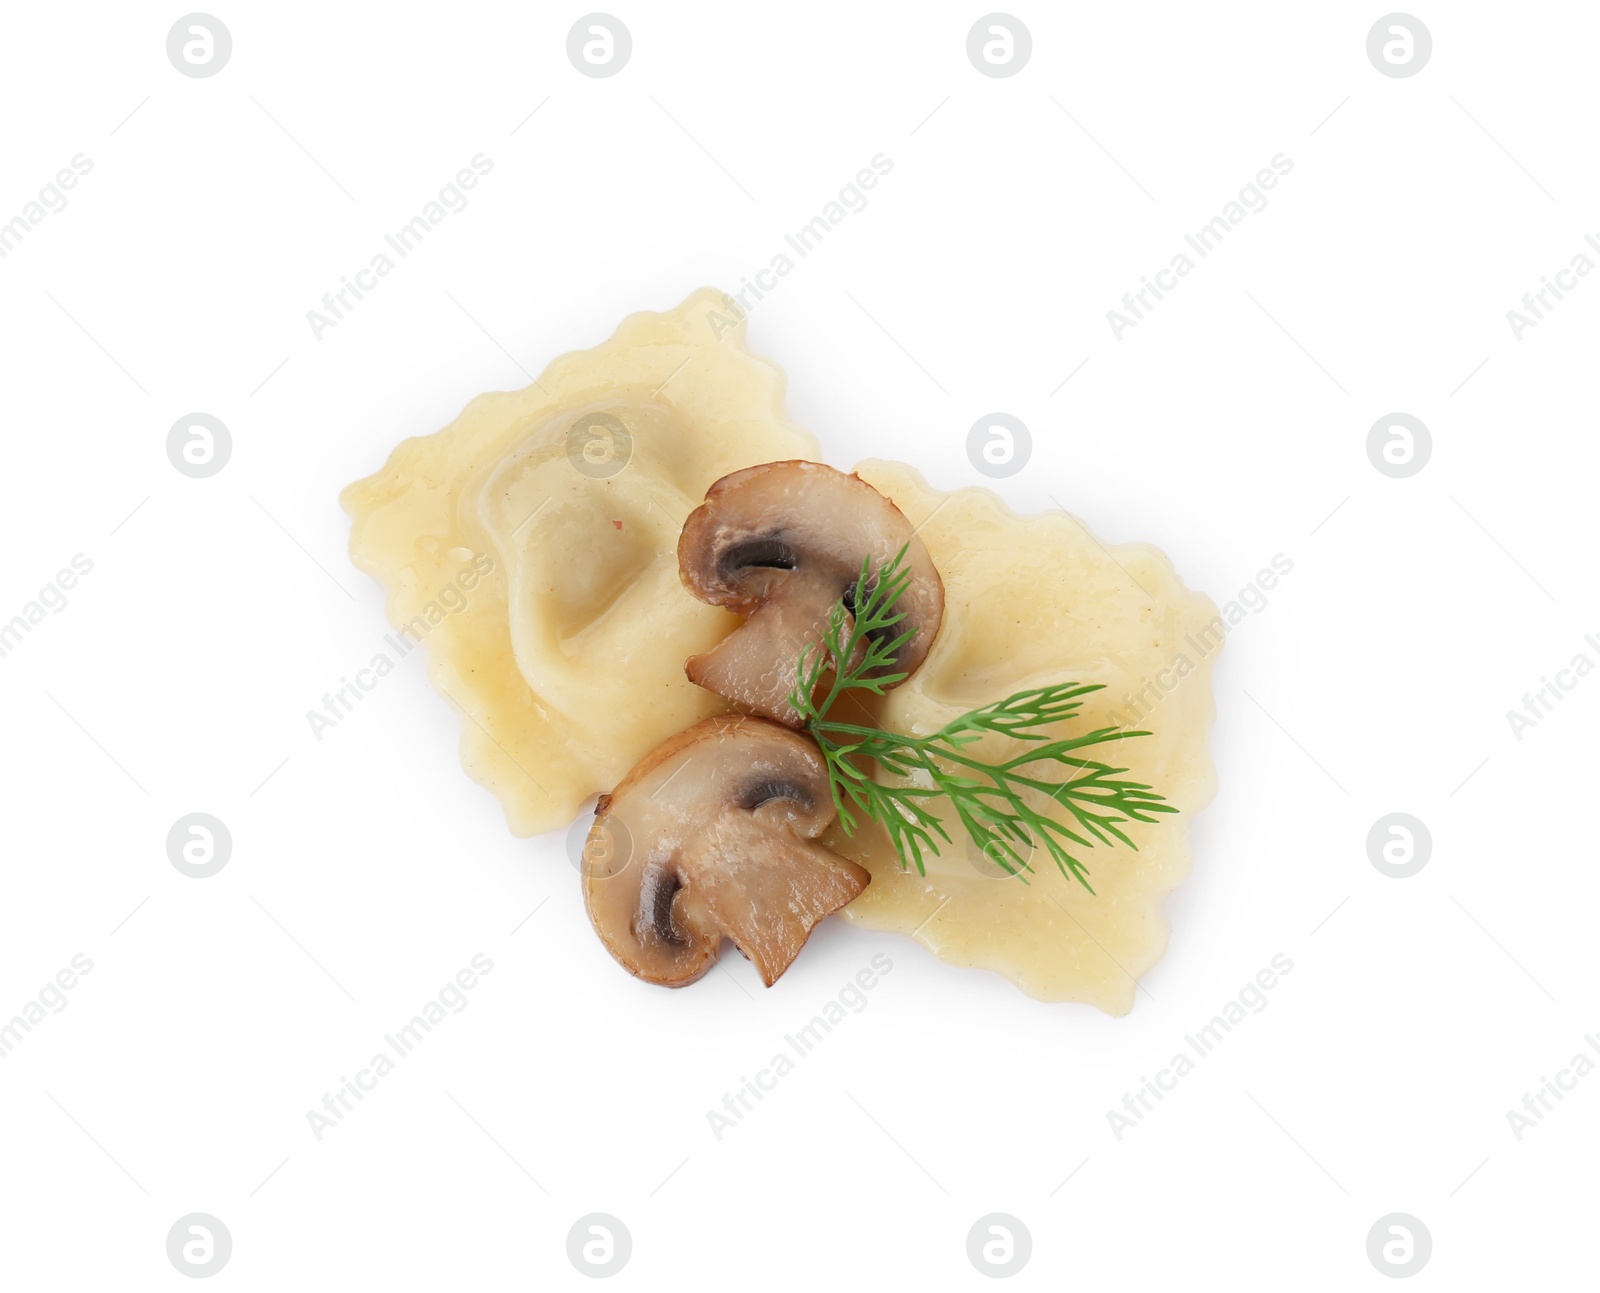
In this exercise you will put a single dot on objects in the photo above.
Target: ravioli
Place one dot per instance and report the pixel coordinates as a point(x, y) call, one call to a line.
point(567, 659)
point(1031, 601)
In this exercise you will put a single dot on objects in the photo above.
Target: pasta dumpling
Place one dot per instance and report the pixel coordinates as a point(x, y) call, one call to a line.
point(566, 659)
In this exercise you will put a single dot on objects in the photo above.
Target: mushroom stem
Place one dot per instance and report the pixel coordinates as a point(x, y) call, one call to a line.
point(757, 666)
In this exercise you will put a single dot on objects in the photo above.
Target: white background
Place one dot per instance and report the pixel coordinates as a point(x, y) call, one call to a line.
point(1227, 427)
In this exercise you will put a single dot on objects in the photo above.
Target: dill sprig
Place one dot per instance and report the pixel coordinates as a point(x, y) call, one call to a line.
point(858, 653)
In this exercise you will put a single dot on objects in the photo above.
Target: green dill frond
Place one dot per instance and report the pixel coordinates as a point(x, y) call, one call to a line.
point(992, 800)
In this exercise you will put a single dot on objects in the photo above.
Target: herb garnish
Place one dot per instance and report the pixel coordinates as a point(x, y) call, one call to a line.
point(987, 797)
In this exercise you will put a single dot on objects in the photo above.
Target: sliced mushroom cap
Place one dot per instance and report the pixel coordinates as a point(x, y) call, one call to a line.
point(710, 836)
point(780, 544)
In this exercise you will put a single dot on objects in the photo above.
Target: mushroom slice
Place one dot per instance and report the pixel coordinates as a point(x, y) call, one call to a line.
point(781, 544)
point(711, 836)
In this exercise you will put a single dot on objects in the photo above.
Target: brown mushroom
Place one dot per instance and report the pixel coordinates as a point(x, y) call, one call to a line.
point(781, 544)
point(711, 836)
